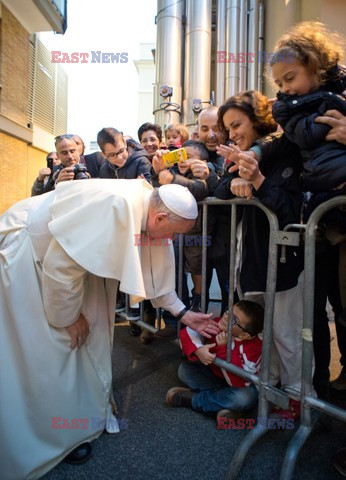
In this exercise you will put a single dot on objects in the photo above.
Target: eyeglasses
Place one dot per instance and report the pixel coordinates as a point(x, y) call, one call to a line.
point(235, 321)
point(116, 154)
point(61, 137)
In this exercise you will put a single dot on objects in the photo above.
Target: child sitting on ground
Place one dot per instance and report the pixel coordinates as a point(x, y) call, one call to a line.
point(213, 389)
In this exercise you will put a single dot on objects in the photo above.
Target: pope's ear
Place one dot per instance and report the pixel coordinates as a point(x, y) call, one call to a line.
point(159, 217)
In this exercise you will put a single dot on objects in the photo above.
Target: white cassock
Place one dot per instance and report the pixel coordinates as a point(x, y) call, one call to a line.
point(63, 253)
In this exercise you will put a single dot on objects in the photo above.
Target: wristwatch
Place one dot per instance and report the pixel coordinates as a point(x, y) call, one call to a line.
point(182, 313)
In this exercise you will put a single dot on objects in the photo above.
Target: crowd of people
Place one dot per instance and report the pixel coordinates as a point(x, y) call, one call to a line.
point(289, 155)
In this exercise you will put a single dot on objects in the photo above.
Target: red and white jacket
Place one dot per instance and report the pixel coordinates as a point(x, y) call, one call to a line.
point(246, 354)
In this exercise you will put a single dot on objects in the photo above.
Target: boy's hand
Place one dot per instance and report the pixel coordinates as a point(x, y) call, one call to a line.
point(158, 163)
point(221, 338)
point(204, 355)
point(199, 169)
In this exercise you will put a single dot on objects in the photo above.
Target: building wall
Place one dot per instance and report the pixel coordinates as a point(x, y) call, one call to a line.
point(146, 77)
point(18, 169)
point(14, 68)
point(24, 142)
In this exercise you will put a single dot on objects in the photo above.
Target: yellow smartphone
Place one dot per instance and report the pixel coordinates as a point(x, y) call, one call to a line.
point(171, 158)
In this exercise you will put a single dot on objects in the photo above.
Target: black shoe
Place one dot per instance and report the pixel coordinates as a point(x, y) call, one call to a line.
point(79, 455)
point(195, 302)
point(135, 330)
point(121, 303)
point(180, 397)
point(133, 314)
point(168, 333)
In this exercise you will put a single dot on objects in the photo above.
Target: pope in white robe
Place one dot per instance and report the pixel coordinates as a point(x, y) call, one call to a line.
point(62, 254)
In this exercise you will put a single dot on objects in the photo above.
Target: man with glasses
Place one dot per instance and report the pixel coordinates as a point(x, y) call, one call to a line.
point(119, 163)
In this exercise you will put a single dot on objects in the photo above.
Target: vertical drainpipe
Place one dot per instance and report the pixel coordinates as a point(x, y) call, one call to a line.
point(243, 33)
point(232, 46)
point(260, 45)
point(197, 56)
point(168, 61)
point(220, 66)
point(253, 44)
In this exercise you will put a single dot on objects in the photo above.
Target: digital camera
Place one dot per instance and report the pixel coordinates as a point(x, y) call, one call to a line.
point(80, 172)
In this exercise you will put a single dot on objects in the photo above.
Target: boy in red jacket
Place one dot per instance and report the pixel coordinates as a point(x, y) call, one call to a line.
point(213, 389)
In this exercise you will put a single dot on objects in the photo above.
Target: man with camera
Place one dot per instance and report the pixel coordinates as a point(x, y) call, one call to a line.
point(68, 153)
point(62, 165)
point(44, 182)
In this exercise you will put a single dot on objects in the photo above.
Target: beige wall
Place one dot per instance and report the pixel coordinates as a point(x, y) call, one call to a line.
point(14, 68)
point(19, 162)
point(19, 167)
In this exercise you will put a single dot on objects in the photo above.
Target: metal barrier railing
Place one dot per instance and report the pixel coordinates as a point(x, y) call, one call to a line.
point(269, 393)
point(308, 400)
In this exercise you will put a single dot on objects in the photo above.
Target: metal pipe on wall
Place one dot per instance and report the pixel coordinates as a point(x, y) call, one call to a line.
point(243, 47)
point(232, 46)
point(220, 69)
point(168, 61)
point(197, 56)
point(260, 45)
point(253, 44)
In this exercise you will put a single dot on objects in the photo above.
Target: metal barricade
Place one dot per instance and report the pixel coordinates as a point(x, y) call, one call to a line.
point(267, 392)
point(308, 400)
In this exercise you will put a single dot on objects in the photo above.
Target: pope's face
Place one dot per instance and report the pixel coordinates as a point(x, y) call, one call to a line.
point(160, 226)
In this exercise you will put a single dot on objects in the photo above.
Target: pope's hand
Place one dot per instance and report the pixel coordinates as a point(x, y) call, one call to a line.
point(201, 322)
point(78, 331)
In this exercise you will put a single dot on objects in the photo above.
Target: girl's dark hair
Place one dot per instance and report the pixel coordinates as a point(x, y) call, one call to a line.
point(150, 126)
point(255, 105)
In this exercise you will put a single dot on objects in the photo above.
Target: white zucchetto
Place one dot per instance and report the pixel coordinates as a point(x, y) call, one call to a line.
point(179, 200)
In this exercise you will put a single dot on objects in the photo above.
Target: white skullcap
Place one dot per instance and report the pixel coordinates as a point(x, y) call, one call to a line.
point(179, 200)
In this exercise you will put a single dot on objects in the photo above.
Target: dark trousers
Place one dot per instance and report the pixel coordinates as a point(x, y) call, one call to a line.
point(327, 287)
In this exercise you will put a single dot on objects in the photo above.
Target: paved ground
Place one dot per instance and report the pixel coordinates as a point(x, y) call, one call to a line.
point(166, 443)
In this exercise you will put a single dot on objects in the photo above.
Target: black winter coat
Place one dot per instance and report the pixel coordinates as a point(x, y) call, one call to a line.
point(280, 192)
point(136, 164)
point(324, 161)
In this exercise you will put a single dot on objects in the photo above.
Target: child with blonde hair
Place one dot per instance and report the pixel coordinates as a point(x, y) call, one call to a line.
point(176, 134)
